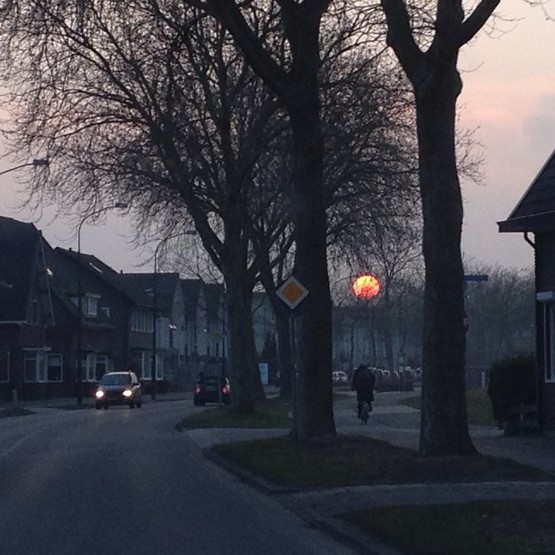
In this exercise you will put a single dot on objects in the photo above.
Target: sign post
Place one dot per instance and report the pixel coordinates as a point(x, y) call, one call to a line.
point(292, 292)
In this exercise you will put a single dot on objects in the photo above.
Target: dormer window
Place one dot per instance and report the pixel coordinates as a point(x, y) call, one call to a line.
point(90, 305)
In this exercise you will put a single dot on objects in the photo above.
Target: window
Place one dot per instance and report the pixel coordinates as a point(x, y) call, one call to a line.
point(549, 342)
point(141, 320)
point(35, 366)
point(90, 305)
point(95, 366)
point(55, 367)
point(547, 299)
point(142, 361)
point(103, 364)
point(4, 365)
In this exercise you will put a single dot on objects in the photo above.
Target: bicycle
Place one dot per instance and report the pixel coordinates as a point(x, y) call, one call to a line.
point(364, 413)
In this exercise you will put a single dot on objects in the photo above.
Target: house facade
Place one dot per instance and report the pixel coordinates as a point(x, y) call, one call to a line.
point(26, 312)
point(534, 217)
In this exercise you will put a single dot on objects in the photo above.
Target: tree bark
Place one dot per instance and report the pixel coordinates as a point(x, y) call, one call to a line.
point(314, 329)
point(245, 378)
point(298, 89)
point(444, 426)
point(437, 85)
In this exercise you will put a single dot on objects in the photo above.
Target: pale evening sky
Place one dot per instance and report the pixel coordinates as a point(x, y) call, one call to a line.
point(508, 95)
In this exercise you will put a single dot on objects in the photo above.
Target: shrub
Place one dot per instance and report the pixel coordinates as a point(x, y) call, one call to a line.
point(512, 382)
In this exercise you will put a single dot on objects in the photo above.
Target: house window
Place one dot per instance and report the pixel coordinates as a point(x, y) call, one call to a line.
point(35, 366)
point(90, 306)
point(55, 367)
point(549, 341)
point(142, 361)
point(103, 364)
point(547, 299)
point(4, 365)
point(141, 320)
point(96, 365)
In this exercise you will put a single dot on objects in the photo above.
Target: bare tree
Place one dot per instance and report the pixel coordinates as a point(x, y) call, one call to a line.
point(501, 314)
point(153, 104)
point(428, 52)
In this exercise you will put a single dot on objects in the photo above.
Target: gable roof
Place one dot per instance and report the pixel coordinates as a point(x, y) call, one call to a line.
point(536, 209)
point(140, 287)
point(19, 248)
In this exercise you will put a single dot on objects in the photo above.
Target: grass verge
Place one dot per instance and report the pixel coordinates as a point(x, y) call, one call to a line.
point(508, 527)
point(270, 413)
point(14, 411)
point(357, 460)
point(478, 407)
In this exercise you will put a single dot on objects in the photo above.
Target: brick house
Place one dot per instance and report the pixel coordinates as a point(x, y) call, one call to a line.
point(535, 215)
point(27, 360)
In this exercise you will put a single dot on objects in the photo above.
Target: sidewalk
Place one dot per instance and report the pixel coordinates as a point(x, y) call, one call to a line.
point(399, 425)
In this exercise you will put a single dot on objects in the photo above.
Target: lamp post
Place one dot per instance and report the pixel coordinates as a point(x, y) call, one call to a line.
point(120, 205)
point(37, 162)
point(155, 305)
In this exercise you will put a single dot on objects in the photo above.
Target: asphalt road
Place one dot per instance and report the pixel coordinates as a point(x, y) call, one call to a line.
point(123, 481)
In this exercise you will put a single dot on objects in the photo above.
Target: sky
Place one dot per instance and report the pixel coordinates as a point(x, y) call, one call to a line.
point(508, 98)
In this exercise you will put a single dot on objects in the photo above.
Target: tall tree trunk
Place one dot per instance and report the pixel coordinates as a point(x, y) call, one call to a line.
point(298, 88)
point(444, 427)
point(245, 378)
point(285, 362)
point(314, 329)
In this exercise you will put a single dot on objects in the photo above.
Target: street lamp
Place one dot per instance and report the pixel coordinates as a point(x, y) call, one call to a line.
point(155, 305)
point(37, 162)
point(119, 205)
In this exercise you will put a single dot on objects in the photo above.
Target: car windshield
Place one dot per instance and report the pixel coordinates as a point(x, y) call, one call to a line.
point(115, 379)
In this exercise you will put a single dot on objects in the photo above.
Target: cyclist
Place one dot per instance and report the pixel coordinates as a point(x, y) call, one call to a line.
point(363, 383)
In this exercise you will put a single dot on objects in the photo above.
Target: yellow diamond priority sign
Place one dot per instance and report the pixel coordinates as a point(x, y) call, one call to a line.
point(292, 292)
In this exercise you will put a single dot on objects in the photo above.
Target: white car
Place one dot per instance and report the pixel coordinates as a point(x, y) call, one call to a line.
point(339, 378)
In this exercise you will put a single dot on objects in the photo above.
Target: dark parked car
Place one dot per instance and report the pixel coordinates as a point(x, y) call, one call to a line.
point(118, 388)
point(209, 388)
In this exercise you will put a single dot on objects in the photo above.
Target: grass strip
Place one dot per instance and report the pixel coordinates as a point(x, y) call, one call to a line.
point(356, 460)
point(508, 527)
point(269, 413)
point(478, 406)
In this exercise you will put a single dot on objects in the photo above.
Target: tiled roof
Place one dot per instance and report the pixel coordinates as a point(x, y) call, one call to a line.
point(140, 287)
point(536, 209)
point(19, 247)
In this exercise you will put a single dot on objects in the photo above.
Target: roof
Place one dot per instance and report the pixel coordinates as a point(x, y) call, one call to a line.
point(140, 287)
point(536, 209)
point(19, 247)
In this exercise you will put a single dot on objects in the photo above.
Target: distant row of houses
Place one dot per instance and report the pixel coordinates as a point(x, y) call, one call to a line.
point(49, 349)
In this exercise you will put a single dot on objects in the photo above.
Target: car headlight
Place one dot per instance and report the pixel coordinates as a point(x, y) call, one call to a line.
point(99, 394)
point(127, 393)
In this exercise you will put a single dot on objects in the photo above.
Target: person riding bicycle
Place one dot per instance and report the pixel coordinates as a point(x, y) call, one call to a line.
point(363, 383)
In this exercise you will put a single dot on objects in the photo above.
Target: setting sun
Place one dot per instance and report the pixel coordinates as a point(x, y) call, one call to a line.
point(366, 286)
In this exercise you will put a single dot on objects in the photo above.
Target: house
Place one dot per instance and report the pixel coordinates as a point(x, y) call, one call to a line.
point(535, 215)
point(27, 360)
point(205, 329)
point(163, 292)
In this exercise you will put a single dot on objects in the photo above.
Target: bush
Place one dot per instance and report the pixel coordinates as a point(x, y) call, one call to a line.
point(512, 382)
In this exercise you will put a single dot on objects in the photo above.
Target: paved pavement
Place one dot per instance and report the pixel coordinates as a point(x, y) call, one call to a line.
point(398, 425)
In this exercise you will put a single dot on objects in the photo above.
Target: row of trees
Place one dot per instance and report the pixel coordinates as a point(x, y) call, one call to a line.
point(501, 314)
point(145, 100)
